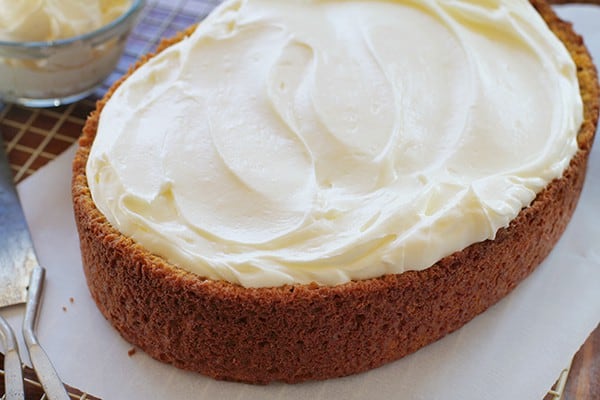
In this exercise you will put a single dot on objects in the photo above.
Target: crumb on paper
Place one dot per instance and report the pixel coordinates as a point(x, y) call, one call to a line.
point(71, 300)
point(131, 351)
point(64, 309)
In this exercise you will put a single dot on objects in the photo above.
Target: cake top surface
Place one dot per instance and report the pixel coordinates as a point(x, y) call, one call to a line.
point(324, 141)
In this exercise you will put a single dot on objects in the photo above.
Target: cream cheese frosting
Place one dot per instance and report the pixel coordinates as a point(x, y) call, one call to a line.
point(48, 20)
point(289, 142)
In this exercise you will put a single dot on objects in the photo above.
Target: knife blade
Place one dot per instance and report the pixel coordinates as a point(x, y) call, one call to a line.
point(17, 257)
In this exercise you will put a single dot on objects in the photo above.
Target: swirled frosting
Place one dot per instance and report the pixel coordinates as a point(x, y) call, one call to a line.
point(47, 20)
point(289, 142)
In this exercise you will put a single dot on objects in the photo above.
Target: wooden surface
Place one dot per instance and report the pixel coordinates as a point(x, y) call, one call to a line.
point(34, 137)
point(584, 378)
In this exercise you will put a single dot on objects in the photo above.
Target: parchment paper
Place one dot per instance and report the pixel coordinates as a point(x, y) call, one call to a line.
point(515, 350)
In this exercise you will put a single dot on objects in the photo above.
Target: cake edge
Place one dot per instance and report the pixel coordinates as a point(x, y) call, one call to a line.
point(300, 332)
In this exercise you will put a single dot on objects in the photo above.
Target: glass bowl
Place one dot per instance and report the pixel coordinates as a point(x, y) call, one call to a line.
point(46, 74)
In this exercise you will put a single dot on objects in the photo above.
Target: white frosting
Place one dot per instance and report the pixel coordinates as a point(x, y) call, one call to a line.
point(56, 72)
point(46, 20)
point(323, 141)
point(65, 71)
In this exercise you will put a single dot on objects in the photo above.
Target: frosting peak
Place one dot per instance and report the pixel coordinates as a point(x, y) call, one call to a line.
point(323, 141)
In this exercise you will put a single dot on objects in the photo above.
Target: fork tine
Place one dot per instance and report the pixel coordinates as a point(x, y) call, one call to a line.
point(13, 373)
point(53, 386)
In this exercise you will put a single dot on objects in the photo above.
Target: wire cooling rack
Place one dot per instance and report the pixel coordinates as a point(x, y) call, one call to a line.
point(34, 391)
point(35, 136)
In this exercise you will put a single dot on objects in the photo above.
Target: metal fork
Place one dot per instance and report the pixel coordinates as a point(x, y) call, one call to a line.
point(51, 383)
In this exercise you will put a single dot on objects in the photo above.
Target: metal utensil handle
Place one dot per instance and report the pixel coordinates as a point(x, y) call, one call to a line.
point(53, 386)
point(13, 373)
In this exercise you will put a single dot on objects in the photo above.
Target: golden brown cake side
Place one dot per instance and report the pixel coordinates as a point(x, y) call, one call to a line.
point(574, 2)
point(302, 332)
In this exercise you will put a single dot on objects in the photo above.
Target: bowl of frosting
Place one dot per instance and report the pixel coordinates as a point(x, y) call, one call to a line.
point(55, 52)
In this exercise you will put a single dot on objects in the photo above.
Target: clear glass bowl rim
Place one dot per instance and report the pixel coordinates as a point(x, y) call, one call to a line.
point(136, 6)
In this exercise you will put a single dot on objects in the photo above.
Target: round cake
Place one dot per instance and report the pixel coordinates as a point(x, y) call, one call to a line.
point(305, 190)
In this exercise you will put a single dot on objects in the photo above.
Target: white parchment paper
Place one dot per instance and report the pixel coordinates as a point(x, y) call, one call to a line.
point(515, 350)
